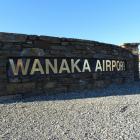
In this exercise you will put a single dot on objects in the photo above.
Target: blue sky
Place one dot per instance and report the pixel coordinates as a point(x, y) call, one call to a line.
point(110, 21)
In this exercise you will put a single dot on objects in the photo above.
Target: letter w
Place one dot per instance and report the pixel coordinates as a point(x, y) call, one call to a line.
point(18, 66)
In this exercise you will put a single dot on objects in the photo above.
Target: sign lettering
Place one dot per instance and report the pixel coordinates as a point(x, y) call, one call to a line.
point(35, 66)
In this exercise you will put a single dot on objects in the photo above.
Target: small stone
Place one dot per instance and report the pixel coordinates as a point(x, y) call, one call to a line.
point(32, 52)
point(123, 109)
point(50, 85)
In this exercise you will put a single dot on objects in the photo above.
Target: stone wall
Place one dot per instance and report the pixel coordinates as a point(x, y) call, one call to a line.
point(12, 45)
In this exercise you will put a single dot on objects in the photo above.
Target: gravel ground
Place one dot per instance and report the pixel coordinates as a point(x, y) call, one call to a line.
point(108, 114)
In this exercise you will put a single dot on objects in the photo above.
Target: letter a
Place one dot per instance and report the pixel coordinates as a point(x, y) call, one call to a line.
point(64, 66)
point(37, 67)
point(98, 66)
point(86, 66)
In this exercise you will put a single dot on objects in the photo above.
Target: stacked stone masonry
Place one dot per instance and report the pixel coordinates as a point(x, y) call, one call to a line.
point(31, 45)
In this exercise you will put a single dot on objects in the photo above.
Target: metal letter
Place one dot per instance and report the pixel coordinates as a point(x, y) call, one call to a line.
point(37, 67)
point(118, 65)
point(98, 66)
point(19, 65)
point(108, 65)
point(86, 66)
point(113, 64)
point(74, 65)
point(49, 65)
point(103, 65)
point(64, 66)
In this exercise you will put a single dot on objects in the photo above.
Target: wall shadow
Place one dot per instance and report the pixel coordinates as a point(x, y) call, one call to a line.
point(113, 90)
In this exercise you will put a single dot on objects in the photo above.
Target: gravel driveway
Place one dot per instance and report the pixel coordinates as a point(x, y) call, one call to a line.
point(94, 115)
